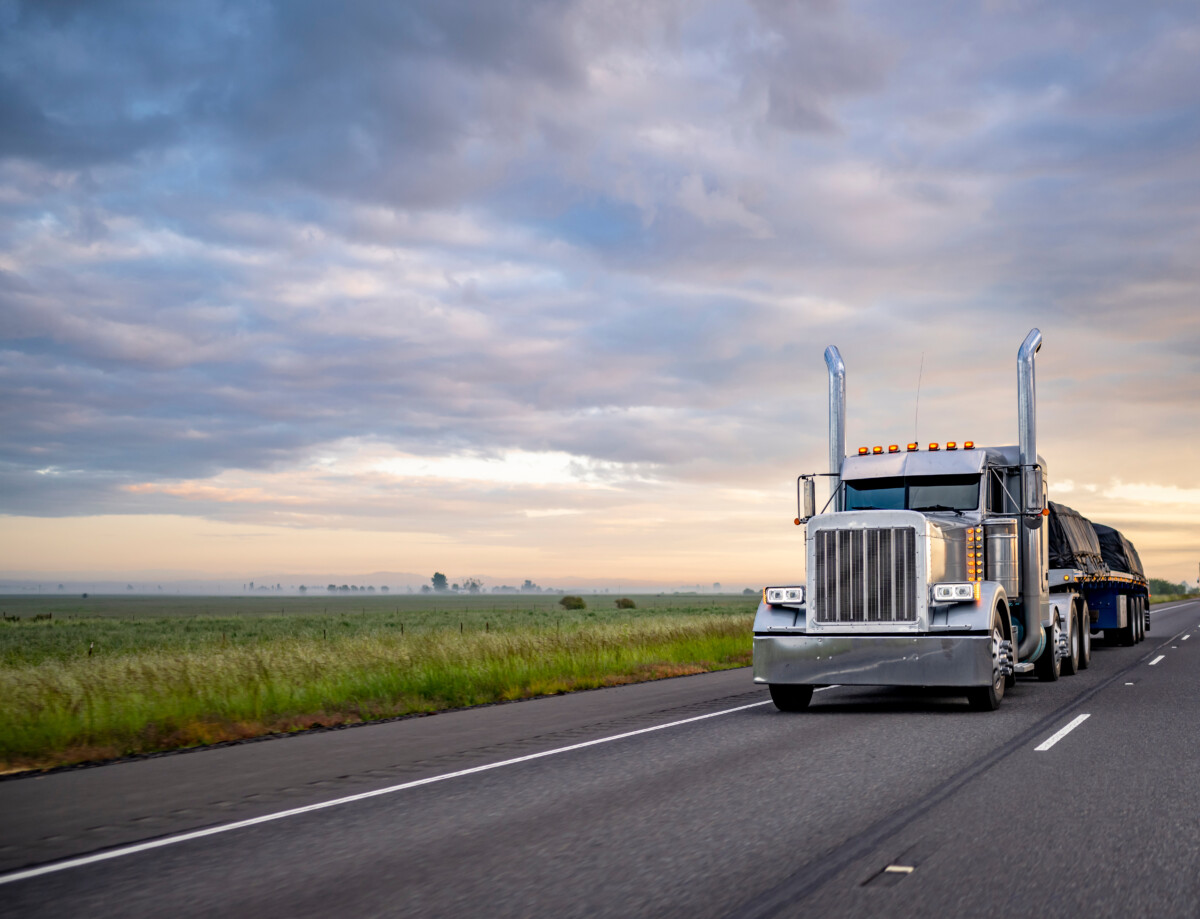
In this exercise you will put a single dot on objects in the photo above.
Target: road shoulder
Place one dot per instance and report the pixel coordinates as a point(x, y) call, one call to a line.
point(66, 813)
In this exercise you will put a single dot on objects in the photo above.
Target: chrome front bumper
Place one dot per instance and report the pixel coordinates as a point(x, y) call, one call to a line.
point(874, 660)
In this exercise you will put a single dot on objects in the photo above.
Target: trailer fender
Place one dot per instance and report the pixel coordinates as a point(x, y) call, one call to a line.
point(1062, 609)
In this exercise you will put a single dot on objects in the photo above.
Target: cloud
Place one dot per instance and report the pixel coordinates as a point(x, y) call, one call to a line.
point(236, 236)
point(714, 208)
point(1160, 495)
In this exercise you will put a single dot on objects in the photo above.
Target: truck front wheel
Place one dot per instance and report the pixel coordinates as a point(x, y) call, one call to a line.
point(790, 697)
point(987, 698)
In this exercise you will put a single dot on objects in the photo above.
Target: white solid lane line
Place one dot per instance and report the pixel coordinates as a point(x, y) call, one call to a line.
point(1061, 733)
point(1157, 659)
point(361, 796)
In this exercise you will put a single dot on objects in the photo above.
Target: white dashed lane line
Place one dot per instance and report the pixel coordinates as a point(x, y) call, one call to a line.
point(1157, 659)
point(1060, 734)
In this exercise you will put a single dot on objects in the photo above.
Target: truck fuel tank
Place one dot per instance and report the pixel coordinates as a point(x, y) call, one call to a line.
point(1003, 554)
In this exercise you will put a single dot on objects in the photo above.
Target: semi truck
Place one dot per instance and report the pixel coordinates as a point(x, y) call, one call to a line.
point(932, 567)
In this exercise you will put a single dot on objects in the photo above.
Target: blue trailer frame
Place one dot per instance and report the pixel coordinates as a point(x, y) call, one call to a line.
point(1114, 600)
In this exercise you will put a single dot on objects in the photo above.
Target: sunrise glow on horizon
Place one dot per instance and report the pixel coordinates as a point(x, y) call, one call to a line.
point(540, 290)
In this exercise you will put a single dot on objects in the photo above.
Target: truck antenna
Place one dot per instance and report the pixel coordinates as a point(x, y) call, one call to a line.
point(917, 410)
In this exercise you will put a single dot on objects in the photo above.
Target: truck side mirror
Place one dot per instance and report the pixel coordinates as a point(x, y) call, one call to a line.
point(810, 499)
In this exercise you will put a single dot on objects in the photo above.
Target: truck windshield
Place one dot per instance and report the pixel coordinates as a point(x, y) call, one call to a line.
point(917, 493)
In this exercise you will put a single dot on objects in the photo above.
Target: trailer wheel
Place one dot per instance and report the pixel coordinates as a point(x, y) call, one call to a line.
point(790, 697)
point(1049, 666)
point(1141, 619)
point(1070, 663)
point(1085, 636)
point(987, 698)
point(1145, 615)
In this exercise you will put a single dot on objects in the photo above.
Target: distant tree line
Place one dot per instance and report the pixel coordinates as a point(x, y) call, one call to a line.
point(1161, 587)
point(439, 583)
point(351, 588)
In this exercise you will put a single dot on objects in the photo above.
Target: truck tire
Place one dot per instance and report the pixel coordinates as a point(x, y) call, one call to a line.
point(1145, 615)
point(987, 698)
point(1048, 667)
point(1070, 663)
point(1085, 636)
point(1138, 621)
point(790, 697)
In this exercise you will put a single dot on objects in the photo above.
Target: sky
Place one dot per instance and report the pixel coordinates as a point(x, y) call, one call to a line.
point(526, 289)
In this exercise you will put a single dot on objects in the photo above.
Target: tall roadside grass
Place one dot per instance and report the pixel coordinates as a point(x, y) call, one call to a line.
point(1158, 599)
point(60, 711)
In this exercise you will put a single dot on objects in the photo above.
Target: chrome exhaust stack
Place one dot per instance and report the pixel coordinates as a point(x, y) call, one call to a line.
point(1032, 595)
point(837, 418)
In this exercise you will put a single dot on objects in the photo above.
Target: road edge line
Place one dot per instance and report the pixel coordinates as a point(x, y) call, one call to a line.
point(135, 848)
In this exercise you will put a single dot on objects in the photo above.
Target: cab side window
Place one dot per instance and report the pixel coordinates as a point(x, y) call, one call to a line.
point(997, 501)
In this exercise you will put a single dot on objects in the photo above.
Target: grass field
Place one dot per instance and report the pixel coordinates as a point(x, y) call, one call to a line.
point(112, 676)
point(1171, 598)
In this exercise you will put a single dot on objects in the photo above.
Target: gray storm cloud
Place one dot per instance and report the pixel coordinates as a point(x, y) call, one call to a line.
point(233, 234)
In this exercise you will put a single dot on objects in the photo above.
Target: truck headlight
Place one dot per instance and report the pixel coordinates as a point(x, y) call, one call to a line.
point(777, 596)
point(953, 592)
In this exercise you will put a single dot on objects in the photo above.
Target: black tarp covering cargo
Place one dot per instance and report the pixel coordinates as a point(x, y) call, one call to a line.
point(1073, 541)
point(1119, 553)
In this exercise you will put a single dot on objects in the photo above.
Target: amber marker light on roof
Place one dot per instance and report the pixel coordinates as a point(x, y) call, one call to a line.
point(877, 450)
point(969, 445)
point(893, 448)
point(952, 445)
point(912, 448)
point(933, 446)
point(863, 451)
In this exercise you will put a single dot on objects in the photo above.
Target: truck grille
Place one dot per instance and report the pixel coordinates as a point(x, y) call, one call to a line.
point(866, 575)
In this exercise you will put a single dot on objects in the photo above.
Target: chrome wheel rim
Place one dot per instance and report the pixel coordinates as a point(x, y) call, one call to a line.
point(1055, 631)
point(997, 672)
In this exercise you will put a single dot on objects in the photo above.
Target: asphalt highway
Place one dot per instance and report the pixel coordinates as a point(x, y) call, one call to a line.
point(686, 797)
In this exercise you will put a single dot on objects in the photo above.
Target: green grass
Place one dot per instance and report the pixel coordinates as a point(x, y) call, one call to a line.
point(160, 674)
point(1171, 598)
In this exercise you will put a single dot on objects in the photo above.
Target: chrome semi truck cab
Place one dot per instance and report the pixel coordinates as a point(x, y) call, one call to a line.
point(927, 568)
